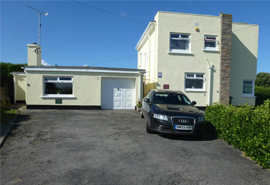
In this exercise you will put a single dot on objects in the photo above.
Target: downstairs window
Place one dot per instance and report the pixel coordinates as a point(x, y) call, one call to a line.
point(58, 85)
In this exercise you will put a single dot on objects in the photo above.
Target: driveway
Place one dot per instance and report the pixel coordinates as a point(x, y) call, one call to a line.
point(112, 147)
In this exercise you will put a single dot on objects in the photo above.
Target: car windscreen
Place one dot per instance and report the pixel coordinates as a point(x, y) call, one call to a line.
point(170, 98)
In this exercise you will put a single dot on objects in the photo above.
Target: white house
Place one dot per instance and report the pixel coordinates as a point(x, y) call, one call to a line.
point(209, 58)
point(77, 87)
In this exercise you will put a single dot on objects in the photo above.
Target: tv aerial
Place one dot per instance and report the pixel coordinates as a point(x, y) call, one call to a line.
point(39, 25)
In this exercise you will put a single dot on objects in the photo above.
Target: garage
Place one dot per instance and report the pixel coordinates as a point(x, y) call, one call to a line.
point(117, 93)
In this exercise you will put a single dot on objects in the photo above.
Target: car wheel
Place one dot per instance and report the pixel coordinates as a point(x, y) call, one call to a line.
point(148, 128)
point(142, 115)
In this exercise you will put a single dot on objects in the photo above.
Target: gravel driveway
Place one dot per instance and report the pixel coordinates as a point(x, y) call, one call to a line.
point(112, 147)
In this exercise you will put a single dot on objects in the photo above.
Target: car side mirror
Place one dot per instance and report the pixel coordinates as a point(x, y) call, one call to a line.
point(193, 103)
point(147, 100)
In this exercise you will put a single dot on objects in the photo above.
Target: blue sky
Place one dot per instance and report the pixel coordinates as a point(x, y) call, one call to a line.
point(76, 35)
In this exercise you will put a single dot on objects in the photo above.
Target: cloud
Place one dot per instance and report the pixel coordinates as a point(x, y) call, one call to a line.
point(45, 63)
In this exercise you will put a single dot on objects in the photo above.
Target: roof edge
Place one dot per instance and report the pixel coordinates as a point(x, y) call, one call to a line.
point(145, 33)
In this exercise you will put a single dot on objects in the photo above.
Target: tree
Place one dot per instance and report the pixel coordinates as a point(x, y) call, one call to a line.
point(263, 79)
point(7, 68)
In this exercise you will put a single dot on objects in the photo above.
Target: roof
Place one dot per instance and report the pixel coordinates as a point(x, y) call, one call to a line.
point(83, 69)
point(18, 73)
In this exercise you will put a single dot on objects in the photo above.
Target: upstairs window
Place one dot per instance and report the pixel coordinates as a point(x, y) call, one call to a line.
point(179, 42)
point(194, 81)
point(248, 88)
point(210, 42)
point(58, 85)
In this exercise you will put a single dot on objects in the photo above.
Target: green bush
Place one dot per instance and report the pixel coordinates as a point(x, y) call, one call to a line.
point(262, 94)
point(6, 69)
point(246, 128)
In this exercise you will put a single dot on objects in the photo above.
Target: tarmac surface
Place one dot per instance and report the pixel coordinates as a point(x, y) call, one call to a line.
point(112, 147)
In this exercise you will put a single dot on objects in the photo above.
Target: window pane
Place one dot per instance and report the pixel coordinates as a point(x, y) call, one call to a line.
point(248, 82)
point(184, 36)
point(199, 75)
point(50, 78)
point(58, 88)
point(247, 89)
point(190, 75)
point(174, 35)
point(194, 84)
point(180, 44)
point(65, 78)
point(210, 44)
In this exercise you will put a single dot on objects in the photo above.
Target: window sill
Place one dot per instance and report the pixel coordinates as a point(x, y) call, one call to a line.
point(58, 96)
point(180, 53)
point(248, 96)
point(211, 50)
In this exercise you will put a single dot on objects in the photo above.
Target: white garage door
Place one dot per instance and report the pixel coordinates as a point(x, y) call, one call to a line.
point(117, 93)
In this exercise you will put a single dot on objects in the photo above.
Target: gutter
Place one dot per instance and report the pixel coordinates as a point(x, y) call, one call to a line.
point(83, 70)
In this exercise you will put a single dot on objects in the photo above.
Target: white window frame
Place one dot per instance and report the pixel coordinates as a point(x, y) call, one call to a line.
point(210, 40)
point(253, 89)
point(58, 80)
point(195, 77)
point(179, 38)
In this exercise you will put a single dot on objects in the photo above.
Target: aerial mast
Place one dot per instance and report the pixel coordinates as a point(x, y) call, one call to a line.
point(39, 25)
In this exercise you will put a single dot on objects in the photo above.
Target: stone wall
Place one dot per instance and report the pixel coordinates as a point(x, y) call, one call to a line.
point(225, 54)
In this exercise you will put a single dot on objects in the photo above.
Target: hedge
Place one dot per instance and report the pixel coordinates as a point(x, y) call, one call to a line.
point(262, 94)
point(246, 128)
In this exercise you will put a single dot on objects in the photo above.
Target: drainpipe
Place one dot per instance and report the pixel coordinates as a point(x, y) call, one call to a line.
point(14, 86)
point(141, 87)
point(210, 67)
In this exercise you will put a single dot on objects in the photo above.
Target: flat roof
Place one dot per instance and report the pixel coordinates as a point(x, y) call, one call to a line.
point(84, 67)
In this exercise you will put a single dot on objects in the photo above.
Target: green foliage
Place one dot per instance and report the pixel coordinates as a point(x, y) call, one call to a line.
point(246, 128)
point(7, 68)
point(263, 79)
point(262, 94)
point(7, 114)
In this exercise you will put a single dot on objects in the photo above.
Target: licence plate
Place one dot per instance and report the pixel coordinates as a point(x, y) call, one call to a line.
point(183, 127)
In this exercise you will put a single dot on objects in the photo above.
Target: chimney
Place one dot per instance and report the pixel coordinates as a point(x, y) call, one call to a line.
point(34, 55)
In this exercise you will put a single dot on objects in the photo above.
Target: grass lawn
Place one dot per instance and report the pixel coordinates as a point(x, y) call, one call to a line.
point(6, 115)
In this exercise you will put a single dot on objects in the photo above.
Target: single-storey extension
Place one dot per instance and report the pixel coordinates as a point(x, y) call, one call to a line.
point(76, 86)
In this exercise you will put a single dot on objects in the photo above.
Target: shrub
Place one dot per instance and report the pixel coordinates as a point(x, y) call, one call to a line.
point(246, 128)
point(262, 94)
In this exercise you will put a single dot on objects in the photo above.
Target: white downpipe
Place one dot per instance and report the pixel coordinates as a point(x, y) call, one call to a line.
point(210, 67)
point(141, 87)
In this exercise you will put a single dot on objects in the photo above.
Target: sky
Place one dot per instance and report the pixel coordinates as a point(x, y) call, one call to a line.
point(105, 33)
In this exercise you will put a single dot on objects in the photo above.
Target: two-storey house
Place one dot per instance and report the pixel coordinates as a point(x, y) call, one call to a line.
point(209, 58)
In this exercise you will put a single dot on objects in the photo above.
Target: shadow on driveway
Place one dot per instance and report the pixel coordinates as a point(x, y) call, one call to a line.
point(204, 137)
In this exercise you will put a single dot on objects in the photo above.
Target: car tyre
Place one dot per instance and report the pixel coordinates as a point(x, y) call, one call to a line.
point(142, 116)
point(148, 128)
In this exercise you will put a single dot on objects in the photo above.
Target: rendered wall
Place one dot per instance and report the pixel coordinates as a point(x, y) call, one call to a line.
point(244, 60)
point(174, 66)
point(34, 55)
point(86, 88)
point(20, 87)
point(149, 55)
